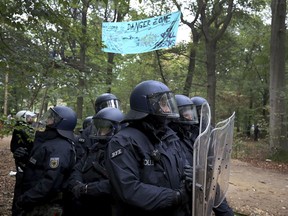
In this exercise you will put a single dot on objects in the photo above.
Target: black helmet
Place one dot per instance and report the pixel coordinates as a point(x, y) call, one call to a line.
point(106, 100)
point(187, 110)
point(152, 97)
point(106, 123)
point(62, 118)
point(198, 101)
point(87, 121)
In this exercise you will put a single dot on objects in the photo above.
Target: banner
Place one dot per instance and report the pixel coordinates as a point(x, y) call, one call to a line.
point(142, 35)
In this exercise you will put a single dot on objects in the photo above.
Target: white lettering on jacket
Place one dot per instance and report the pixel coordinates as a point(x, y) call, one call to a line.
point(148, 162)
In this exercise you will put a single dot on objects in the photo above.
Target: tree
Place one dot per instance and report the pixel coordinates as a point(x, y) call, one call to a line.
point(215, 18)
point(278, 117)
point(196, 35)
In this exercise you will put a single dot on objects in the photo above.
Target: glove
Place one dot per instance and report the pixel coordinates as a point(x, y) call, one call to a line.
point(20, 153)
point(79, 189)
point(188, 173)
point(182, 195)
point(188, 176)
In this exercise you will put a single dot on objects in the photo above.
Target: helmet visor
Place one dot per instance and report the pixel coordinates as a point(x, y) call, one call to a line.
point(188, 113)
point(110, 103)
point(50, 119)
point(30, 119)
point(102, 128)
point(163, 104)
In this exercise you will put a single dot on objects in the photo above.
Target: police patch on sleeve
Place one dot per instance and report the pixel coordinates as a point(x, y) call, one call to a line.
point(116, 153)
point(54, 162)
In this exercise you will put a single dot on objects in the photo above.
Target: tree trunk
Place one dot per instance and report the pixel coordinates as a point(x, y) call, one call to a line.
point(110, 63)
point(192, 62)
point(81, 81)
point(211, 76)
point(213, 28)
point(6, 93)
point(278, 120)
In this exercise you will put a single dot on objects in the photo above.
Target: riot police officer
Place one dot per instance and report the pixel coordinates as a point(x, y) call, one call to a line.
point(186, 125)
point(223, 209)
point(198, 101)
point(51, 161)
point(144, 161)
point(89, 181)
point(86, 123)
point(79, 140)
point(21, 145)
point(102, 101)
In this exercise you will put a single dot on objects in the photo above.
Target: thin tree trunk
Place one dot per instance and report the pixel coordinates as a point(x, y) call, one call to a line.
point(81, 81)
point(110, 63)
point(6, 93)
point(192, 62)
point(211, 76)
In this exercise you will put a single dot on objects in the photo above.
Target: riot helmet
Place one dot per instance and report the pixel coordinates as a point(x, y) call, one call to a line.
point(61, 118)
point(26, 116)
point(87, 122)
point(106, 123)
point(198, 101)
point(106, 100)
point(152, 97)
point(187, 110)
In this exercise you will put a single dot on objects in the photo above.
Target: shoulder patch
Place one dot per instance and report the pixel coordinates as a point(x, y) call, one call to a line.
point(116, 153)
point(54, 162)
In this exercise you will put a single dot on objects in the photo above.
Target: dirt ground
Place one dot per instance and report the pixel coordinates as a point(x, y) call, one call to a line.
point(255, 188)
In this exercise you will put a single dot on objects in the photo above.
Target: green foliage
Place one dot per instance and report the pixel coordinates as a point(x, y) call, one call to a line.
point(6, 126)
point(280, 156)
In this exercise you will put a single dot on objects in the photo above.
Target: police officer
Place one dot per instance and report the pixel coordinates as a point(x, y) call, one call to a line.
point(186, 129)
point(86, 123)
point(102, 101)
point(186, 125)
point(144, 161)
point(198, 101)
point(79, 140)
point(223, 209)
point(51, 161)
point(89, 181)
point(21, 145)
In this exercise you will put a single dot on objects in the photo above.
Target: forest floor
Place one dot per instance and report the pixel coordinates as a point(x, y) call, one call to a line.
point(256, 187)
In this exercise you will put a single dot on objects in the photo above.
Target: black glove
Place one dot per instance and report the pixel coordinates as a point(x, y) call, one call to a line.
point(21, 153)
point(182, 195)
point(188, 175)
point(79, 189)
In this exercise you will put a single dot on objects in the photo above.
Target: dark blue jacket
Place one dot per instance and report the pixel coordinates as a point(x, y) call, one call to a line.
point(91, 170)
point(145, 167)
point(45, 177)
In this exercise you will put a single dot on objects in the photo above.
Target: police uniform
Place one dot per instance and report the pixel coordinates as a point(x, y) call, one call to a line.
point(85, 137)
point(187, 138)
point(80, 148)
point(51, 161)
point(145, 167)
point(90, 170)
